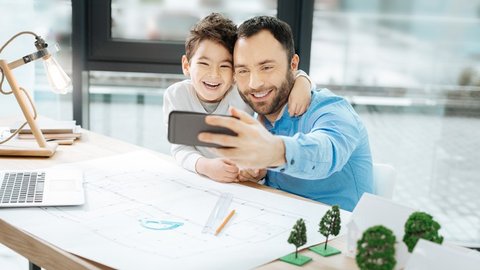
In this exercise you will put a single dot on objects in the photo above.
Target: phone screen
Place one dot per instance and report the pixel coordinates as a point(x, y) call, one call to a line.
point(184, 127)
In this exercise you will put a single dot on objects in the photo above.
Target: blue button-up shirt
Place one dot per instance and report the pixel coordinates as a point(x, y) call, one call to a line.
point(327, 152)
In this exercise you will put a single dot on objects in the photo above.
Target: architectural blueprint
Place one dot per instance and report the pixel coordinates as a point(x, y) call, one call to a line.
point(127, 194)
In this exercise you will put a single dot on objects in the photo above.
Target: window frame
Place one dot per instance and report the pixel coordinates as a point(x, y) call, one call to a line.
point(109, 54)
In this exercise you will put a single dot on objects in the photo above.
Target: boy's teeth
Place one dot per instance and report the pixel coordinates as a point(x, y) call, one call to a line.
point(261, 94)
point(212, 84)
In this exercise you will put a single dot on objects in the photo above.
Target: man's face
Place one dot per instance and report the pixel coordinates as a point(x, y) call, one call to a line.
point(264, 75)
point(210, 70)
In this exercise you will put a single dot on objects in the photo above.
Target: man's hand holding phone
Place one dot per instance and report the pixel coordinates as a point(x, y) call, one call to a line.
point(253, 147)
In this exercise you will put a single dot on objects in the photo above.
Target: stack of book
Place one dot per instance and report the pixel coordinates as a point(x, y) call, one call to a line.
point(61, 132)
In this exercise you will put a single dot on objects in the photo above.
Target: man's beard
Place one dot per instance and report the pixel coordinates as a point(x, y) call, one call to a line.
point(278, 101)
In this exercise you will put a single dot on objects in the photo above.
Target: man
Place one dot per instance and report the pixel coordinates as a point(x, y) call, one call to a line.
point(323, 155)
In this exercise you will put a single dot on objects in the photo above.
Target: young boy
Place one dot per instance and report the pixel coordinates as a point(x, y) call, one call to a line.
point(208, 62)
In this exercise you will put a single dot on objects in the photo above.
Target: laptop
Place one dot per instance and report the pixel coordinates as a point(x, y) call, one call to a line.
point(47, 187)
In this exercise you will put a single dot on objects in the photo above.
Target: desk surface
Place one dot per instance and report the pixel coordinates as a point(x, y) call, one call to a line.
point(92, 146)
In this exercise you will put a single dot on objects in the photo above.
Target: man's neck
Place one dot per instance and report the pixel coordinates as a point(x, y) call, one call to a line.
point(273, 117)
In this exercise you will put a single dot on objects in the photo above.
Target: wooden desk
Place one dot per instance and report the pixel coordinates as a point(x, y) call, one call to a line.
point(93, 146)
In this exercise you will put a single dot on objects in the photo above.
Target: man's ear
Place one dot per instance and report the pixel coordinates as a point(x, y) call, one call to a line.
point(185, 66)
point(295, 62)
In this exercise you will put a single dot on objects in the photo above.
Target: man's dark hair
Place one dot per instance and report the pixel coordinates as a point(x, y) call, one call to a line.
point(279, 29)
point(214, 27)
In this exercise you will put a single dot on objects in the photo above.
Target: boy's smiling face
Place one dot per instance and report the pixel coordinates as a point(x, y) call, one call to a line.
point(210, 69)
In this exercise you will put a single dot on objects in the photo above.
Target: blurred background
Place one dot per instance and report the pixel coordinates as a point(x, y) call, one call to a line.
point(411, 68)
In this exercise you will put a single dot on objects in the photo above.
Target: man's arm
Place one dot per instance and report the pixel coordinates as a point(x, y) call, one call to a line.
point(316, 155)
point(313, 155)
point(326, 143)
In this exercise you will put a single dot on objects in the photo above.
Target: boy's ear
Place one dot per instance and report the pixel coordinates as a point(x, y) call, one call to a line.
point(295, 62)
point(185, 66)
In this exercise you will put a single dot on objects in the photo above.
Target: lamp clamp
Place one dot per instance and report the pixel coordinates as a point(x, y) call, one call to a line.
point(40, 43)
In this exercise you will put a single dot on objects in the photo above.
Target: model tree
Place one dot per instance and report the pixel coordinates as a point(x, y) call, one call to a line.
point(421, 225)
point(298, 237)
point(376, 249)
point(329, 225)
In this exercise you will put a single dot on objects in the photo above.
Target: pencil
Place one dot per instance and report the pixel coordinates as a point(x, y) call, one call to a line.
point(219, 229)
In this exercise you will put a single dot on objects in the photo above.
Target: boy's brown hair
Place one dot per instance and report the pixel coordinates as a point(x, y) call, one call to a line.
point(214, 27)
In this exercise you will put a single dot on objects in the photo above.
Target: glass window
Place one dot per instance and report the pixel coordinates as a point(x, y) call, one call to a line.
point(129, 106)
point(171, 20)
point(406, 44)
point(412, 70)
point(50, 19)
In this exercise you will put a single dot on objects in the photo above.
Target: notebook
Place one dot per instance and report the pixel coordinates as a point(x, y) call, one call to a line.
point(48, 187)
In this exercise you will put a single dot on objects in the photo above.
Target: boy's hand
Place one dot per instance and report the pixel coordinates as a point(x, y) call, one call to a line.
point(253, 175)
point(218, 169)
point(300, 97)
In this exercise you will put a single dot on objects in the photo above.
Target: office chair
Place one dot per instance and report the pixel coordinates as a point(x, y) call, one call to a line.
point(383, 180)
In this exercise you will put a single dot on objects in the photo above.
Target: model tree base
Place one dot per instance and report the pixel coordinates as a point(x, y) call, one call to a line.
point(300, 260)
point(329, 251)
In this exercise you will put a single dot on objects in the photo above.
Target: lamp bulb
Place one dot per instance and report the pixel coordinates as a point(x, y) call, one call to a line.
point(58, 79)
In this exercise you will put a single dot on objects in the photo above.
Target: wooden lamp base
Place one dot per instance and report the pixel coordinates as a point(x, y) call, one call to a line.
point(38, 148)
point(27, 149)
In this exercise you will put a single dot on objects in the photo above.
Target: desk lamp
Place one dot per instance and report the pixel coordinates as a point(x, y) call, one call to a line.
point(60, 83)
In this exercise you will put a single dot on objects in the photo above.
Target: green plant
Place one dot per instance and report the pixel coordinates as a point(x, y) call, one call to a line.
point(421, 225)
point(330, 223)
point(298, 236)
point(376, 250)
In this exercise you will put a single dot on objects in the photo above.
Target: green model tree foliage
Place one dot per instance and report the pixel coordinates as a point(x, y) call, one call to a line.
point(376, 250)
point(298, 236)
point(421, 225)
point(330, 223)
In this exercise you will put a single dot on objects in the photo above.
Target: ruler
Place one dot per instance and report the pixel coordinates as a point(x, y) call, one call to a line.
point(219, 212)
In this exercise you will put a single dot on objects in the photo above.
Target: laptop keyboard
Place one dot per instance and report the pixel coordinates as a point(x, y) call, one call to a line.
point(22, 187)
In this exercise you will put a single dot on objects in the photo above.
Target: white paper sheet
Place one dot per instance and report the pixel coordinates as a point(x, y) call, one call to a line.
point(429, 255)
point(122, 190)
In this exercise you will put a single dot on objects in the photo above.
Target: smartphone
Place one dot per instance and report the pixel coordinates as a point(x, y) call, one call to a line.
point(184, 127)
